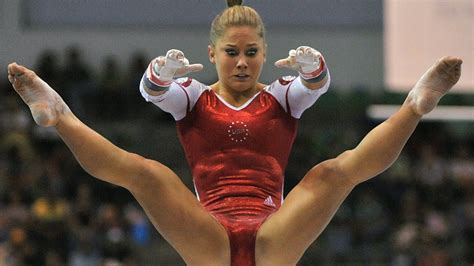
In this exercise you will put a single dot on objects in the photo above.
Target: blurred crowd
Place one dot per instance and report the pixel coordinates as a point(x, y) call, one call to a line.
point(419, 212)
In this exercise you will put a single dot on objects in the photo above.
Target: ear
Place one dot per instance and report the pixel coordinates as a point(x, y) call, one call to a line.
point(211, 53)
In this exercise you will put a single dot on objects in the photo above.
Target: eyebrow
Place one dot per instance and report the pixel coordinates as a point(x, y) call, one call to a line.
point(248, 45)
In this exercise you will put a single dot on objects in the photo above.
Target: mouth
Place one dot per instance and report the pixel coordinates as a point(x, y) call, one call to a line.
point(242, 77)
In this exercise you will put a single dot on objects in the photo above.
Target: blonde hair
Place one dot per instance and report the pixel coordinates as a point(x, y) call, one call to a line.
point(235, 15)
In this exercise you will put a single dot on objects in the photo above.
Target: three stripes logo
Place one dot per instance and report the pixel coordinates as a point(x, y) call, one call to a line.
point(269, 201)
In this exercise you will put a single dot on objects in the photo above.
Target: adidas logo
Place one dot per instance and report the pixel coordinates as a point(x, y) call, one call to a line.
point(269, 202)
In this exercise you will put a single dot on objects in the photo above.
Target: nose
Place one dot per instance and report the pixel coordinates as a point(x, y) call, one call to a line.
point(242, 63)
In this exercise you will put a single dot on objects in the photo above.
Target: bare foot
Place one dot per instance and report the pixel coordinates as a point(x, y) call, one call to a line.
point(435, 83)
point(45, 104)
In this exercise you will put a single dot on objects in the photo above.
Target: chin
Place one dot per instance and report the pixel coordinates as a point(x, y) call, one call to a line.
point(243, 87)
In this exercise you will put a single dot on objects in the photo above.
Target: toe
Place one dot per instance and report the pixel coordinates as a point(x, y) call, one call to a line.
point(15, 69)
point(451, 61)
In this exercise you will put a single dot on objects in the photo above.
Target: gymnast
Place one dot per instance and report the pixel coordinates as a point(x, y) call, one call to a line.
point(237, 135)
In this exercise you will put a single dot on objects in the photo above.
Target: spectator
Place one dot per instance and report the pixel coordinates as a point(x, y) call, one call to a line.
point(77, 80)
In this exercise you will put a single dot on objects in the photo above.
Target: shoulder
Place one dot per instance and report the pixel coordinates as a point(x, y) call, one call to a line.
point(192, 87)
point(187, 82)
point(282, 82)
point(285, 80)
point(279, 89)
point(280, 85)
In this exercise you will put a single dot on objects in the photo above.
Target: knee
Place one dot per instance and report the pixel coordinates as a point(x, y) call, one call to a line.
point(144, 173)
point(328, 172)
point(134, 168)
point(151, 176)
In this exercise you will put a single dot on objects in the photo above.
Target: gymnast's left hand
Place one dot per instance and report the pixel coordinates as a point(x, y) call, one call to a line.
point(304, 59)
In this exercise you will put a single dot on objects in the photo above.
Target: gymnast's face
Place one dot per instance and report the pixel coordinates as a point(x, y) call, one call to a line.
point(239, 56)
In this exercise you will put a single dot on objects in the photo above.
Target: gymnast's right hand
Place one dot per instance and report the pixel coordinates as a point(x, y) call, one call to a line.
point(163, 69)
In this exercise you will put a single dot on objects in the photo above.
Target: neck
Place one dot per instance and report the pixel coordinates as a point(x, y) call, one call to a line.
point(233, 97)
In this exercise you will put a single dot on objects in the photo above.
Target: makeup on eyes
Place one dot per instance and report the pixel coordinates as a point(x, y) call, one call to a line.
point(234, 52)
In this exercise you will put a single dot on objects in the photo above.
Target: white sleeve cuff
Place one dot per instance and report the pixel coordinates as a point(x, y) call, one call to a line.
point(151, 98)
point(322, 90)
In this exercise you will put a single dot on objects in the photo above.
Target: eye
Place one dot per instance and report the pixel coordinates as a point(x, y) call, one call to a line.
point(231, 52)
point(252, 52)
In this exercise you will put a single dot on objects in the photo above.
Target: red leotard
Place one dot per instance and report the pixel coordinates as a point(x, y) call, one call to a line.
point(238, 157)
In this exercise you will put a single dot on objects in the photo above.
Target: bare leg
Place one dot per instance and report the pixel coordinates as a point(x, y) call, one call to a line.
point(313, 202)
point(106, 161)
point(382, 146)
point(172, 208)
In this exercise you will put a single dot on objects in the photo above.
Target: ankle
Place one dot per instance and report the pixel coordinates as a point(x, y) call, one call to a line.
point(422, 101)
point(64, 116)
point(411, 102)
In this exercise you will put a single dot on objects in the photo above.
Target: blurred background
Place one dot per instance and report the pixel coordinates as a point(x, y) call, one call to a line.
point(419, 212)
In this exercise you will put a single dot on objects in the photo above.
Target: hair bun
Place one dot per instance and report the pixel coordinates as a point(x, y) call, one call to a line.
point(231, 3)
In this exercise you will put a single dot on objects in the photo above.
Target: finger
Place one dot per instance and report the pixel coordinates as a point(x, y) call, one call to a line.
point(175, 54)
point(157, 64)
point(283, 62)
point(174, 59)
point(194, 67)
point(178, 56)
point(160, 61)
point(292, 52)
point(299, 52)
point(302, 50)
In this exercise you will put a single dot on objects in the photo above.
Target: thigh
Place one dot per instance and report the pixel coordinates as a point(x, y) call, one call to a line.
point(305, 213)
point(179, 217)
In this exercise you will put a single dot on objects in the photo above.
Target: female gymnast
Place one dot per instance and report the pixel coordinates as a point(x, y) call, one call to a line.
point(237, 134)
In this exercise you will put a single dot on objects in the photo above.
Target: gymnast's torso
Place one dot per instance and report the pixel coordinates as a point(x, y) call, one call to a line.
point(237, 163)
point(237, 155)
